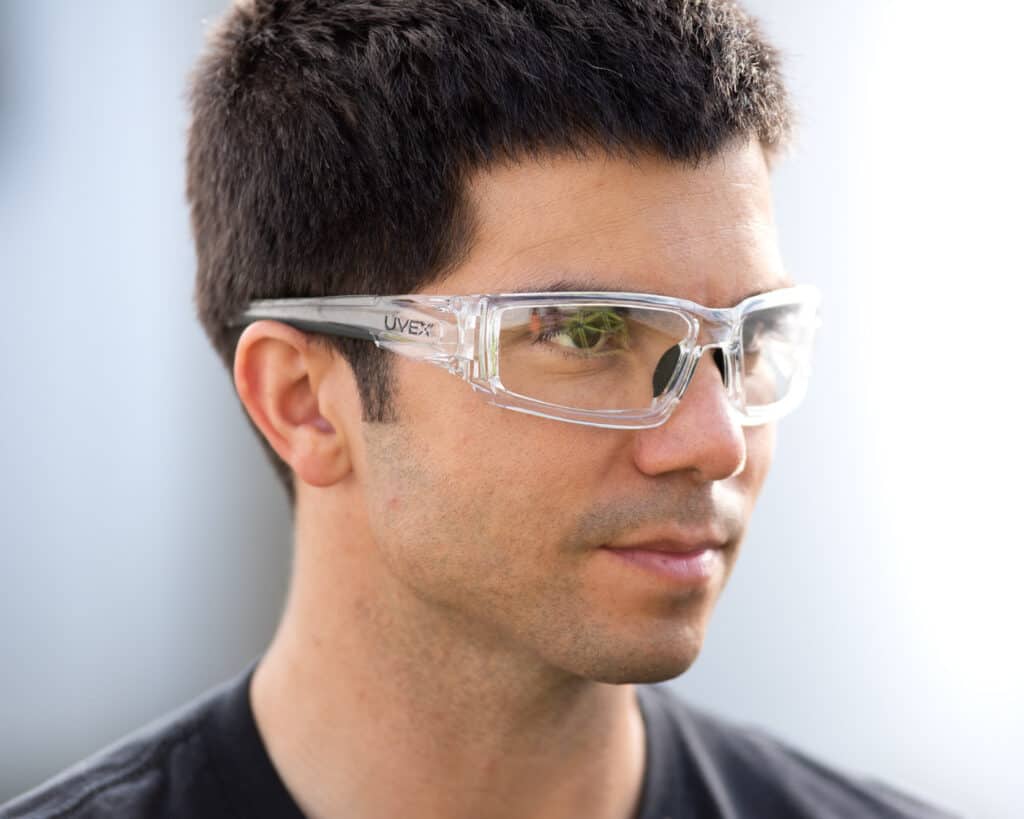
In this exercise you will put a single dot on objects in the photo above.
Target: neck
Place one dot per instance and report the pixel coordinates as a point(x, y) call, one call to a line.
point(374, 704)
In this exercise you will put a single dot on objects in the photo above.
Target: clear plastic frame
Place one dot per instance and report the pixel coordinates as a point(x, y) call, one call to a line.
point(605, 359)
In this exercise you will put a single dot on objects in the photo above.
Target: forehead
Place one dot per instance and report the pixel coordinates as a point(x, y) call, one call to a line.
point(701, 232)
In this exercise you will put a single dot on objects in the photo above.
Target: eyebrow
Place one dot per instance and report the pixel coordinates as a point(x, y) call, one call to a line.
point(592, 285)
point(564, 285)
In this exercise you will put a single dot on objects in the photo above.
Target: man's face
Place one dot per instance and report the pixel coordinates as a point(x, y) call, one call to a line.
point(497, 521)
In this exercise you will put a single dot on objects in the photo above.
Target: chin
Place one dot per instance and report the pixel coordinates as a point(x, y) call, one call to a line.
point(652, 662)
point(641, 673)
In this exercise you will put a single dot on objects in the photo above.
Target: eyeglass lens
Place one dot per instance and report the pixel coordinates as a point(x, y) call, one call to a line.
point(614, 357)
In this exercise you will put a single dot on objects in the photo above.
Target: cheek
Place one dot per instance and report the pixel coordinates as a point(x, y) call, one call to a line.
point(436, 501)
point(543, 474)
point(495, 464)
point(482, 506)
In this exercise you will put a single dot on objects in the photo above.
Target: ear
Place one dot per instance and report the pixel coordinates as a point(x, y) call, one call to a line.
point(287, 385)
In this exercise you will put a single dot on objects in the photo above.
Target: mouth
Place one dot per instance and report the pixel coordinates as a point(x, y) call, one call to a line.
point(685, 560)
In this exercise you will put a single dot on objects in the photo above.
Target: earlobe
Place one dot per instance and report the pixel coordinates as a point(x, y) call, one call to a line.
point(282, 380)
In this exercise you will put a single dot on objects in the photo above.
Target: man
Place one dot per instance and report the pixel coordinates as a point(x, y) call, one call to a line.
point(501, 293)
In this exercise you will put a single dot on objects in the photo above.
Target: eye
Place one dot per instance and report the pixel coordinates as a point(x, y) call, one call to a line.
point(589, 330)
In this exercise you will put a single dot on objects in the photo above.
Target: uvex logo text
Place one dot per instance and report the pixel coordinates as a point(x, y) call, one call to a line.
point(392, 321)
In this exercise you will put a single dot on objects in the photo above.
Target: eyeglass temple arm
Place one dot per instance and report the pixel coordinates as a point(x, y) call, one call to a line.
point(425, 328)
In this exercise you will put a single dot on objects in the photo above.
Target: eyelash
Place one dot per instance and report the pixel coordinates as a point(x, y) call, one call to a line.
point(546, 335)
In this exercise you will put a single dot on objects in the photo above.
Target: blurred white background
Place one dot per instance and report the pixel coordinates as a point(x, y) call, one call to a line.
point(875, 616)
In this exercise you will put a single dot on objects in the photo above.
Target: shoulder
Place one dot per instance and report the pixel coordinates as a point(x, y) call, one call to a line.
point(748, 772)
point(161, 770)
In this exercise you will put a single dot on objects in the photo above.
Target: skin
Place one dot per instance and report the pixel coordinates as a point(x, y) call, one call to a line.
point(456, 642)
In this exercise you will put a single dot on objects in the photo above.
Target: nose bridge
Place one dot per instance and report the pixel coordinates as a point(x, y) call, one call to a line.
point(719, 354)
point(718, 333)
point(720, 339)
point(717, 329)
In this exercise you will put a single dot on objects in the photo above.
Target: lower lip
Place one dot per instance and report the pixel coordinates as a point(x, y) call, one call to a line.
point(688, 567)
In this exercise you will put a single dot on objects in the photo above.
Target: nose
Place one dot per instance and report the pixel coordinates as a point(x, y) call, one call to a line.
point(703, 437)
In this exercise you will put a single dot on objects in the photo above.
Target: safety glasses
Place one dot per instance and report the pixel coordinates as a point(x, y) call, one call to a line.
point(619, 360)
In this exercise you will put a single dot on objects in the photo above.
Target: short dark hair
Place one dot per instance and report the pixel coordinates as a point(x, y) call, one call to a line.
point(331, 141)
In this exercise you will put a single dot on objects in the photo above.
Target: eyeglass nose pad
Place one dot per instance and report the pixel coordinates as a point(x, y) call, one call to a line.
point(665, 369)
point(667, 364)
point(720, 362)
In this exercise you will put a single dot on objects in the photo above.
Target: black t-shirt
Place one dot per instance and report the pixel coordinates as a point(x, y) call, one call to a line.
point(207, 761)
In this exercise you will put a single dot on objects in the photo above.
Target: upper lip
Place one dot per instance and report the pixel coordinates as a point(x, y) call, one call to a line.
point(672, 539)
